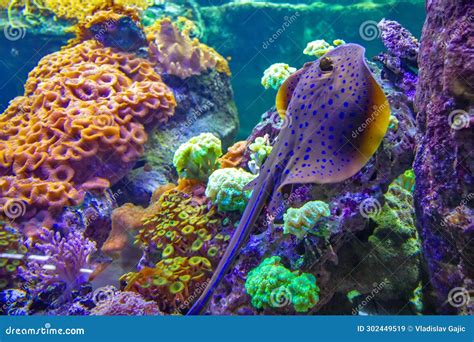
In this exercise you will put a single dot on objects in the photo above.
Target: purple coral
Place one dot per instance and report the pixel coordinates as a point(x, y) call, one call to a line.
point(125, 303)
point(398, 40)
point(61, 260)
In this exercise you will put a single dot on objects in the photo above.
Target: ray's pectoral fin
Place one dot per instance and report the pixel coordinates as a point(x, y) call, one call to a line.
point(378, 118)
point(285, 92)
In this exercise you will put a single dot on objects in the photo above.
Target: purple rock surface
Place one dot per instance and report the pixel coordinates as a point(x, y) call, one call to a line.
point(444, 165)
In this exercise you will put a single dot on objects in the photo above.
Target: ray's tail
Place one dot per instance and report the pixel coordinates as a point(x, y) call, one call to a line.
point(260, 194)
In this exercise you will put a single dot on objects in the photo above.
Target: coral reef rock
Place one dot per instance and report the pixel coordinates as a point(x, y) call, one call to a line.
point(443, 166)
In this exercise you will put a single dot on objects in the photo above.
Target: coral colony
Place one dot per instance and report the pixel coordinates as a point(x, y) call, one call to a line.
point(120, 164)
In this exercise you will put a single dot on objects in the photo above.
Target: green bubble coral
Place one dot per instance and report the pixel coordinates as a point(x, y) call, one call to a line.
point(197, 158)
point(301, 221)
point(226, 189)
point(276, 74)
point(261, 149)
point(272, 285)
point(351, 295)
point(319, 47)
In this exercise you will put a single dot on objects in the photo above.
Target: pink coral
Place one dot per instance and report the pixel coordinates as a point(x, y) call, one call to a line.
point(179, 55)
point(125, 303)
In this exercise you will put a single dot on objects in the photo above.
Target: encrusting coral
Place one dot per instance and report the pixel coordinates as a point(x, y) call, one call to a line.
point(226, 189)
point(272, 285)
point(276, 74)
point(177, 54)
point(80, 124)
point(234, 155)
point(395, 242)
point(302, 221)
point(197, 158)
point(125, 303)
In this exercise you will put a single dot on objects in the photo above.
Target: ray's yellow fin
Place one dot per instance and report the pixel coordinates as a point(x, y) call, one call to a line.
point(377, 127)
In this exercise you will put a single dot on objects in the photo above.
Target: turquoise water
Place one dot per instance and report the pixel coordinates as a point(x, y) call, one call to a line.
point(253, 38)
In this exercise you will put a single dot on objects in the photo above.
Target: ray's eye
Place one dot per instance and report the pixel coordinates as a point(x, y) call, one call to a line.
point(326, 64)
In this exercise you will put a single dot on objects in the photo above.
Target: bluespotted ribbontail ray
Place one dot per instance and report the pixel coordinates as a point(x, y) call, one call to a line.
point(323, 104)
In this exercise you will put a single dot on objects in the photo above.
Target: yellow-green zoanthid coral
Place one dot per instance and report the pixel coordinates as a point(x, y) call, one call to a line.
point(304, 220)
point(272, 285)
point(226, 189)
point(197, 158)
point(276, 74)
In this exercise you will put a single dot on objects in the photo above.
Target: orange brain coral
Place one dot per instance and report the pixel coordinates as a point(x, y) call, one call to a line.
point(80, 125)
point(179, 55)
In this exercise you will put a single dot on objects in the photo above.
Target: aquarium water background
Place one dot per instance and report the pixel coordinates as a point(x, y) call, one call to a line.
point(254, 34)
point(137, 137)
